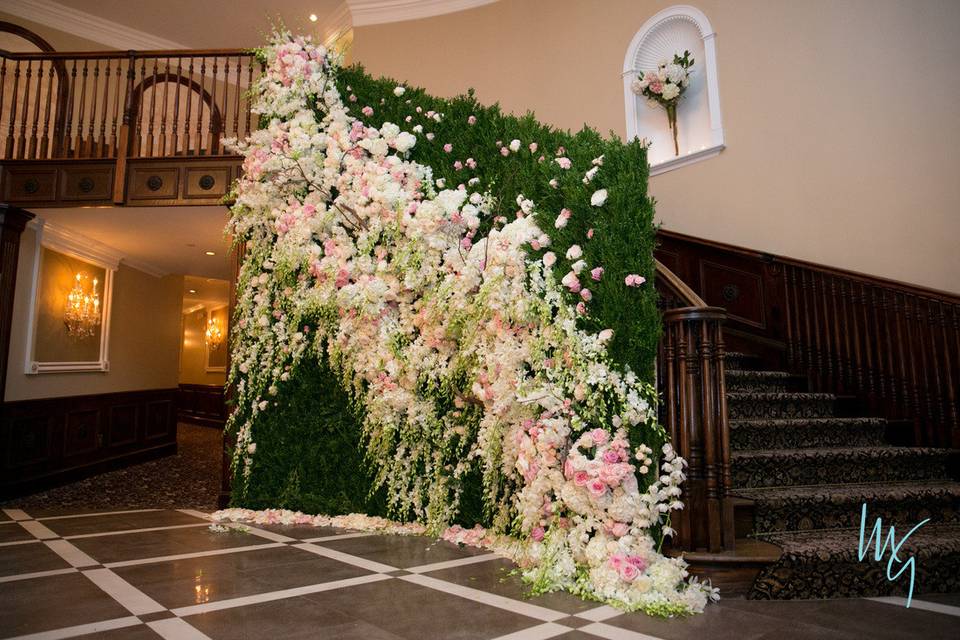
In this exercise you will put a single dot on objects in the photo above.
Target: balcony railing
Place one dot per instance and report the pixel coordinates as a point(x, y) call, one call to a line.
point(133, 104)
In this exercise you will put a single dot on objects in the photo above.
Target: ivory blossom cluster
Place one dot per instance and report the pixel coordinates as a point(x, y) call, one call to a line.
point(462, 346)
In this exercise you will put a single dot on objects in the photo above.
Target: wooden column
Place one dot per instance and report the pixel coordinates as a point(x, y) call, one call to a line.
point(13, 221)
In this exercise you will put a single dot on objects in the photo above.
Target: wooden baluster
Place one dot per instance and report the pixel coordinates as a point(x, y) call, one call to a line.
point(66, 143)
point(117, 114)
point(824, 327)
point(810, 359)
point(200, 102)
point(187, 149)
point(791, 331)
point(870, 338)
point(902, 355)
point(104, 110)
point(33, 147)
point(912, 384)
point(153, 110)
point(225, 112)
point(11, 130)
point(881, 317)
point(841, 370)
point(163, 116)
point(123, 140)
point(141, 98)
point(947, 369)
point(705, 352)
point(90, 150)
point(213, 126)
point(849, 297)
point(920, 314)
point(3, 92)
point(236, 104)
point(48, 102)
point(175, 143)
point(21, 151)
point(723, 429)
point(77, 149)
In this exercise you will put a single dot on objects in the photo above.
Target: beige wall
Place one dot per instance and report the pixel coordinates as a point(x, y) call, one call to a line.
point(60, 40)
point(840, 116)
point(193, 354)
point(144, 336)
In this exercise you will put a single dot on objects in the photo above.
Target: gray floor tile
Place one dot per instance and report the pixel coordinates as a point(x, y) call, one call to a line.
point(207, 579)
point(29, 558)
point(11, 532)
point(149, 544)
point(119, 522)
point(402, 551)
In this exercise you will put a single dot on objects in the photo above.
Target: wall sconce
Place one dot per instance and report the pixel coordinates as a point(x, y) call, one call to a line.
point(82, 314)
point(214, 335)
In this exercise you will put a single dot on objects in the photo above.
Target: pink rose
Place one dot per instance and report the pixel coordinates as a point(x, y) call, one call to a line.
point(581, 309)
point(581, 478)
point(472, 120)
point(343, 277)
point(448, 147)
point(504, 151)
point(589, 233)
point(610, 456)
point(564, 163)
point(458, 165)
point(628, 572)
point(533, 148)
point(638, 562)
point(586, 295)
point(599, 436)
point(538, 533)
point(367, 111)
point(619, 529)
point(596, 273)
point(597, 488)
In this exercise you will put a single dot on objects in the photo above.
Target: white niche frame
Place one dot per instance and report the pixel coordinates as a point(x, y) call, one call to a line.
point(667, 24)
point(82, 248)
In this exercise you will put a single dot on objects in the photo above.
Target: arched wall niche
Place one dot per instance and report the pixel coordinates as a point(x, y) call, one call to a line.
point(700, 125)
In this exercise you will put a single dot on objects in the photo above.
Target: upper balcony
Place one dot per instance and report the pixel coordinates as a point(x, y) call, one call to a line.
point(112, 128)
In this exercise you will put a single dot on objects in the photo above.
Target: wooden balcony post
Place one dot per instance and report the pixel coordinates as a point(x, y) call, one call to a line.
point(123, 140)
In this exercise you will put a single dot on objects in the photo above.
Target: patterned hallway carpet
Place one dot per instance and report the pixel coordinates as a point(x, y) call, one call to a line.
point(189, 479)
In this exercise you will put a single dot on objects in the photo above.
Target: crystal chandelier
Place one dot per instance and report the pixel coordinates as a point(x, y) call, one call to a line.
point(82, 316)
point(214, 335)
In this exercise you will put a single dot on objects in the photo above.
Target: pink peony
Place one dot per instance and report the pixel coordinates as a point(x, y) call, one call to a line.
point(564, 163)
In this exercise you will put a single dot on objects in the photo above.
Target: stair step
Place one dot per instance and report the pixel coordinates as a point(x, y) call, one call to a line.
point(789, 467)
point(837, 506)
point(744, 380)
point(738, 360)
point(799, 433)
point(779, 405)
point(825, 564)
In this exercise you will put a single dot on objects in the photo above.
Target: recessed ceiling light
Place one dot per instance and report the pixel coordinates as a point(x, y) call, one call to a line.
point(210, 253)
point(313, 17)
point(192, 290)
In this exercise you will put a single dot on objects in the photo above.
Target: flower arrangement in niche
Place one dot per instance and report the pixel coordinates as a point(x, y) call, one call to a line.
point(472, 324)
point(665, 87)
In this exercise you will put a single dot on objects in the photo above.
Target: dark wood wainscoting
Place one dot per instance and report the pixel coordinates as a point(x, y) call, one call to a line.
point(51, 441)
point(202, 404)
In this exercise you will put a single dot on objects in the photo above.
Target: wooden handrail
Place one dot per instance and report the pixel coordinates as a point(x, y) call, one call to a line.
point(690, 380)
point(150, 53)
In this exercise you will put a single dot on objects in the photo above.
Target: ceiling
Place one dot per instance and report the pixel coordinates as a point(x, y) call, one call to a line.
point(161, 239)
point(237, 24)
point(209, 292)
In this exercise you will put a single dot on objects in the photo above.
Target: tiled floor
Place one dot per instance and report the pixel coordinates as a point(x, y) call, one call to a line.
point(163, 574)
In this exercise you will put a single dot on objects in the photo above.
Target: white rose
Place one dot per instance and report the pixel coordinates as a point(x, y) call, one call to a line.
point(549, 259)
point(670, 91)
point(598, 198)
point(404, 142)
point(574, 252)
point(514, 145)
point(399, 91)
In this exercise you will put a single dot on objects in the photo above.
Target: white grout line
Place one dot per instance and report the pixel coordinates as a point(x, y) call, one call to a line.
point(196, 554)
point(10, 544)
point(177, 629)
point(195, 513)
point(539, 632)
point(17, 514)
point(339, 536)
point(599, 614)
point(356, 561)
point(134, 600)
point(97, 513)
point(484, 597)
point(74, 556)
point(277, 595)
point(38, 529)
point(269, 535)
point(81, 629)
point(611, 632)
point(126, 531)
point(920, 604)
point(437, 566)
point(37, 574)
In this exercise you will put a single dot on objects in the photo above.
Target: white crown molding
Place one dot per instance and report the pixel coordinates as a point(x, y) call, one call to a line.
point(367, 12)
point(336, 24)
point(77, 245)
point(85, 25)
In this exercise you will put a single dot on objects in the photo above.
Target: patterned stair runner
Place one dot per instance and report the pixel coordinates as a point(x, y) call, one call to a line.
point(808, 472)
